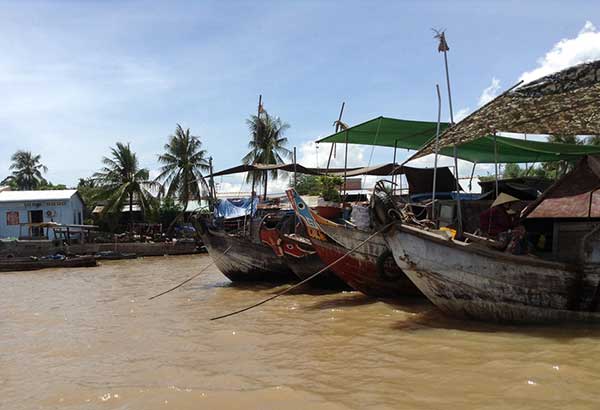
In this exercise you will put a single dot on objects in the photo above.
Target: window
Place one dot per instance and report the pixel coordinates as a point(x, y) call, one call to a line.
point(12, 218)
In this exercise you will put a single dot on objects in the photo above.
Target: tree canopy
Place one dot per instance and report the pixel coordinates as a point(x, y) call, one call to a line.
point(267, 146)
point(122, 181)
point(27, 171)
point(182, 164)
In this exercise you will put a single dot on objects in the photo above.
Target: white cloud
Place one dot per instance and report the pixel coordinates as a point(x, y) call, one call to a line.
point(462, 113)
point(490, 92)
point(310, 152)
point(568, 52)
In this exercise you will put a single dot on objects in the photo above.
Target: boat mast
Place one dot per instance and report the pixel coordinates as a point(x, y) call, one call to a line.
point(435, 158)
point(337, 128)
point(443, 48)
point(259, 110)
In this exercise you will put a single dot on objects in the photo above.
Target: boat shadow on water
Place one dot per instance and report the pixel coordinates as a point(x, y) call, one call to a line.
point(429, 318)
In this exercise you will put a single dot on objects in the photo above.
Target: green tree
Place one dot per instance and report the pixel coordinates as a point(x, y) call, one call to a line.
point(26, 171)
point(267, 146)
point(513, 171)
point(49, 186)
point(307, 185)
point(329, 187)
point(122, 181)
point(182, 166)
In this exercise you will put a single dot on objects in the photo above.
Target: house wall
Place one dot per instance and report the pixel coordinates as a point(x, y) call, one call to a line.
point(68, 211)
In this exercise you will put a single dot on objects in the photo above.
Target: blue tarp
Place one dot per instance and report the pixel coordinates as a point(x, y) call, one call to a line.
point(235, 208)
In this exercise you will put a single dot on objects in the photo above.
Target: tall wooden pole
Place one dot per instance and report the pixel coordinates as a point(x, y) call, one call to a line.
point(337, 128)
point(435, 158)
point(295, 168)
point(345, 166)
point(394, 169)
point(253, 173)
point(496, 163)
point(443, 47)
point(212, 192)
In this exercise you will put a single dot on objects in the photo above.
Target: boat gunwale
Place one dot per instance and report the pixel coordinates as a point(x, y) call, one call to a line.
point(483, 251)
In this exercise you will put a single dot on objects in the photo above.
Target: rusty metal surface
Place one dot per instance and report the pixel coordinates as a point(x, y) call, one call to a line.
point(574, 196)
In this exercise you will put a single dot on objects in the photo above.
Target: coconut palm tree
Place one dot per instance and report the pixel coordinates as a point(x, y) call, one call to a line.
point(122, 181)
point(182, 166)
point(267, 146)
point(27, 171)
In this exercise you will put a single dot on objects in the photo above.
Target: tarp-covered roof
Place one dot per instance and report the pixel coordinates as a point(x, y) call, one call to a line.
point(576, 195)
point(383, 131)
point(386, 132)
point(563, 103)
point(381, 170)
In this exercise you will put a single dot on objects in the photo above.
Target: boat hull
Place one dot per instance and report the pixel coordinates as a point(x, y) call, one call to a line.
point(308, 265)
point(27, 264)
point(361, 260)
point(242, 260)
point(478, 283)
point(361, 272)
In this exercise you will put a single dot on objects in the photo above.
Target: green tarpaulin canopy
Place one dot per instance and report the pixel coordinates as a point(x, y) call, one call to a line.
point(383, 131)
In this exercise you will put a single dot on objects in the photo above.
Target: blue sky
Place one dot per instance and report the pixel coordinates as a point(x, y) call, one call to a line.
point(76, 77)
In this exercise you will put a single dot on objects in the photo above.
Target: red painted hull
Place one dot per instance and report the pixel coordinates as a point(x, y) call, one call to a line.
point(360, 272)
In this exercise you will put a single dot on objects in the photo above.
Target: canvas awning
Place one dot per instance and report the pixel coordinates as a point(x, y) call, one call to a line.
point(387, 132)
point(380, 170)
point(383, 131)
point(563, 103)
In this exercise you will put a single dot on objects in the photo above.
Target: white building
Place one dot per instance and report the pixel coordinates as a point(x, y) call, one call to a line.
point(20, 209)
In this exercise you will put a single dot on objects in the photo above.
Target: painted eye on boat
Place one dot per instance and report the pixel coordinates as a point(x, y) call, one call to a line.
point(301, 205)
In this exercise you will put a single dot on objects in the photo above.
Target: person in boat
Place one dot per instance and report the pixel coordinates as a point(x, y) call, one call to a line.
point(499, 222)
point(499, 217)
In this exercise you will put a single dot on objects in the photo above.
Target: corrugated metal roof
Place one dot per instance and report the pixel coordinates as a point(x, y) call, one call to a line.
point(18, 196)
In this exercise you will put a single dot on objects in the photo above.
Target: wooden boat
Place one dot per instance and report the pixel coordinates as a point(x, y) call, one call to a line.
point(111, 255)
point(26, 264)
point(244, 257)
point(370, 269)
point(471, 279)
point(300, 256)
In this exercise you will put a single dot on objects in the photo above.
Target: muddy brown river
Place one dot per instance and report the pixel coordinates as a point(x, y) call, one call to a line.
point(90, 339)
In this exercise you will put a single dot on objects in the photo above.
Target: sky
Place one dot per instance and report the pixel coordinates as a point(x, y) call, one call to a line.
point(77, 77)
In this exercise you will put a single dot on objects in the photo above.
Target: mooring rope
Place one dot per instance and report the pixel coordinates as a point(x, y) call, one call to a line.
point(262, 302)
point(189, 279)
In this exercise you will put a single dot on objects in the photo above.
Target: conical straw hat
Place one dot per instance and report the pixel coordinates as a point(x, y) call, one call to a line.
point(504, 199)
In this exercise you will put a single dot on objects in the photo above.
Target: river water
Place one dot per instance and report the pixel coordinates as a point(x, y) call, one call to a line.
point(90, 339)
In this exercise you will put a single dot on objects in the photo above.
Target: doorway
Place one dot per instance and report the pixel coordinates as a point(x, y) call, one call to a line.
point(36, 217)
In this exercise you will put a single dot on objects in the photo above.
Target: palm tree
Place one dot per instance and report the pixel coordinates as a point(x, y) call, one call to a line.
point(121, 180)
point(27, 171)
point(267, 146)
point(183, 163)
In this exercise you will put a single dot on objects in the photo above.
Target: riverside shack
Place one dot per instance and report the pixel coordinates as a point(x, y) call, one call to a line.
point(23, 213)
